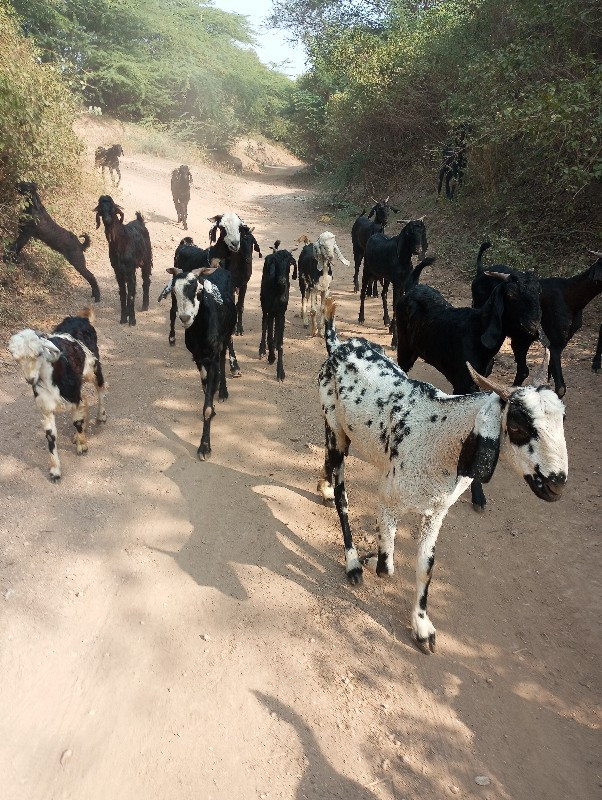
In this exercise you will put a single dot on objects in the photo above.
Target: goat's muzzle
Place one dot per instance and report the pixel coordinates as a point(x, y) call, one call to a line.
point(185, 319)
point(531, 329)
point(548, 488)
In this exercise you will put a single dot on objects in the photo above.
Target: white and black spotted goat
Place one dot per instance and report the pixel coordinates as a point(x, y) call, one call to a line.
point(315, 277)
point(56, 367)
point(428, 446)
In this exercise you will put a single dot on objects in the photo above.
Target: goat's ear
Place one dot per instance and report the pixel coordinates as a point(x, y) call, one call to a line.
point(481, 448)
point(174, 270)
point(51, 351)
point(495, 306)
point(216, 219)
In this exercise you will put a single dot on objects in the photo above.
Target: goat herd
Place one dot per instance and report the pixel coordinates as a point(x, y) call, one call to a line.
point(428, 446)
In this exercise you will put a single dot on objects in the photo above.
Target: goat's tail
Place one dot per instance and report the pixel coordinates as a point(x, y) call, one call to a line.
point(482, 248)
point(330, 333)
point(85, 241)
point(87, 313)
point(139, 217)
point(414, 275)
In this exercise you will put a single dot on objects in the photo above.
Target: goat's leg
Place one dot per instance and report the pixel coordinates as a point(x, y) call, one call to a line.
point(384, 294)
point(313, 312)
point(234, 368)
point(240, 307)
point(555, 371)
point(271, 353)
point(118, 171)
point(185, 215)
point(130, 282)
point(382, 563)
point(332, 482)
point(365, 284)
point(80, 414)
point(173, 312)
point(280, 374)
point(264, 327)
point(321, 314)
point(99, 382)
point(440, 182)
point(520, 348)
point(49, 423)
point(304, 302)
point(479, 501)
point(375, 288)
point(358, 255)
point(25, 233)
point(122, 296)
point(78, 262)
point(422, 628)
point(223, 388)
point(449, 189)
point(146, 273)
point(210, 385)
point(397, 292)
point(597, 362)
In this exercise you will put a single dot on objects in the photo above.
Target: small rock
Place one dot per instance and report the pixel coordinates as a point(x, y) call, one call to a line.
point(65, 756)
point(386, 764)
point(482, 780)
point(454, 789)
point(205, 637)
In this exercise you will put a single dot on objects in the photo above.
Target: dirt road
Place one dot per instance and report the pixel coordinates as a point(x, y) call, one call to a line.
point(172, 629)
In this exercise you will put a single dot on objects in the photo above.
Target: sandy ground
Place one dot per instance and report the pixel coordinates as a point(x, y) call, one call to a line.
point(177, 629)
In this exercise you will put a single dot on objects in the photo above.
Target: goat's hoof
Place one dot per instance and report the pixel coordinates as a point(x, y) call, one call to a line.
point(96, 296)
point(355, 576)
point(172, 342)
point(123, 320)
point(144, 306)
point(132, 323)
point(203, 452)
point(479, 507)
point(271, 358)
point(222, 398)
point(428, 644)
point(561, 391)
point(235, 373)
point(597, 370)
point(54, 478)
point(281, 376)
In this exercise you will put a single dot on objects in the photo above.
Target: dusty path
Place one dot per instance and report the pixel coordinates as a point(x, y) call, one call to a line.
point(172, 629)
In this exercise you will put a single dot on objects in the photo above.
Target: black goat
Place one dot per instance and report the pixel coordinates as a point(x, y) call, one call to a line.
point(181, 180)
point(447, 338)
point(562, 302)
point(129, 248)
point(275, 286)
point(205, 299)
point(234, 246)
point(389, 258)
point(187, 258)
point(35, 222)
point(108, 157)
point(363, 229)
point(454, 163)
point(518, 313)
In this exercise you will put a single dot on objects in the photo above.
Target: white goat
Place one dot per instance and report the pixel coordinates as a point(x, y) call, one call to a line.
point(315, 277)
point(56, 367)
point(428, 446)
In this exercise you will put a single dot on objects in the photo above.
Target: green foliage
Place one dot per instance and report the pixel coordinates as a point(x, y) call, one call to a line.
point(36, 112)
point(386, 87)
point(173, 61)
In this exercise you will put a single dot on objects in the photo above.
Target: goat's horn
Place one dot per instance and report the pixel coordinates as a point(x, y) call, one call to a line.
point(594, 253)
point(387, 198)
point(373, 200)
point(501, 276)
point(541, 376)
point(488, 385)
point(403, 221)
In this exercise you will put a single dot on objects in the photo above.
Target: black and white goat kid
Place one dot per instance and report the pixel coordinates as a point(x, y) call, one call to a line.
point(428, 447)
point(275, 287)
point(56, 367)
point(315, 276)
point(205, 300)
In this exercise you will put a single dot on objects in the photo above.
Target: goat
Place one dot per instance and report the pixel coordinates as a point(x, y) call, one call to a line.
point(275, 286)
point(35, 222)
point(205, 300)
point(449, 338)
point(108, 157)
point(234, 246)
point(454, 163)
point(562, 302)
point(315, 276)
point(187, 258)
point(181, 180)
point(390, 260)
point(428, 446)
point(518, 312)
point(363, 229)
point(56, 367)
point(129, 248)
